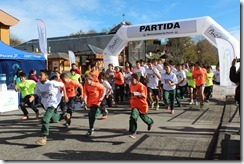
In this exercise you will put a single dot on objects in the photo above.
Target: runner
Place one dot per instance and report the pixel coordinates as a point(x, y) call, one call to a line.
point(26, 87)
point(139, 105)
point(49, 91)
point(70, 87)
point(94, 93)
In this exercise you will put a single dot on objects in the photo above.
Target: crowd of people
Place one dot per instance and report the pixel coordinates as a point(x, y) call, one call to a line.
point(144, 85)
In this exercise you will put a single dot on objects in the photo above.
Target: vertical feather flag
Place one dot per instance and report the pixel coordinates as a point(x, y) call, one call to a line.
point(42, 37)
point(71, 57)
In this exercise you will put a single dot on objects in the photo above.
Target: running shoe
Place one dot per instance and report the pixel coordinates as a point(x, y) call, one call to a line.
point(133, 135)
point(41, 141)
point(90, 132)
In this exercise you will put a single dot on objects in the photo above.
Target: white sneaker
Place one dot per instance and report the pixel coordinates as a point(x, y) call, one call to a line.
point(192, 102)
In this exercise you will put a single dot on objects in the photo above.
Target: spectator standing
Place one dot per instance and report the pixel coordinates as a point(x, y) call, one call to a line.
point(216, 77)
point(32, 75)
point(75, 68)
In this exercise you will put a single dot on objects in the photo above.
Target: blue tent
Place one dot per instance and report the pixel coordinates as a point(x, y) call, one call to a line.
point(11, 59)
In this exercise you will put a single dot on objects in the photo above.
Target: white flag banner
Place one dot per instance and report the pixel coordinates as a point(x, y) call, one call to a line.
point(226, 55)
point(42, 36)
point(71, 57)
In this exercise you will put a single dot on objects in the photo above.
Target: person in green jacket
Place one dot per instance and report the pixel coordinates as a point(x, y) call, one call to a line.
point(26, 87)
point(209, 84)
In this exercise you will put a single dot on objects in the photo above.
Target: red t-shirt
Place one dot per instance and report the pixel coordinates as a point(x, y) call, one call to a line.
point(93, 93)
point(200, 76)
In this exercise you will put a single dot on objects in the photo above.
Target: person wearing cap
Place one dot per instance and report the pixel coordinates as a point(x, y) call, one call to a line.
point(94, 93)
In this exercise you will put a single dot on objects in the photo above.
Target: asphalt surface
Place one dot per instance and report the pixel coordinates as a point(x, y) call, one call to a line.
point(190, 134)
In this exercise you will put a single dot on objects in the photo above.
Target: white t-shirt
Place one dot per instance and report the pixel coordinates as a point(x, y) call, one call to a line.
point(152, 78)
point(127, 76)
point(107, 86)
point(165, 80)
point(160, 68)
point(217, 76)
point(180, 76)
point(140, 72)
point(49, 92)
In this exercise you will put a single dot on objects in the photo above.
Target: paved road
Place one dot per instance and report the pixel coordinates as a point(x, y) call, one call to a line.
point(190, 134)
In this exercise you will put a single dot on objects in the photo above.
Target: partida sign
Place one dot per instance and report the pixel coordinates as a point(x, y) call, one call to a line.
point(161, 29)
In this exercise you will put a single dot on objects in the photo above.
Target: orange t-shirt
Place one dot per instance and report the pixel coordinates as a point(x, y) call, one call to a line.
point(95, 75)
point(139, 102)
point(71, 88)
point(200, 76)
point(119, 78)
point(93, 93)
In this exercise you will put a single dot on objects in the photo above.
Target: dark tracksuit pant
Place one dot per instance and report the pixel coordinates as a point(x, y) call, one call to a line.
point(169, 96)
point(49, 116)
point(133, 119)
point(24, 101)
point(94, 112)
point(208, 91)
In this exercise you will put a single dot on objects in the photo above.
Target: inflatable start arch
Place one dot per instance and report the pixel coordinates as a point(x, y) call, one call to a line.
point(228, 46)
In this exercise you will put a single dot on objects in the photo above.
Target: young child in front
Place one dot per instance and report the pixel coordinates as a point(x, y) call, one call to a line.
point(139, 105)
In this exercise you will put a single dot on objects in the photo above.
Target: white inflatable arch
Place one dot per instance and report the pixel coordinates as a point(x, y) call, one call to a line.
point(228, 46)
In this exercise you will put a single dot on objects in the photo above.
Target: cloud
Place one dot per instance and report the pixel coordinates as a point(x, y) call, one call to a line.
point(60, 20)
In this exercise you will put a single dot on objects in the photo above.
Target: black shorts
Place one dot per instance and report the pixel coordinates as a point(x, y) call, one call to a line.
point(155, 92)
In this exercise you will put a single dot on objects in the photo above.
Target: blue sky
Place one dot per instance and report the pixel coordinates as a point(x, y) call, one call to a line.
point(63, 17)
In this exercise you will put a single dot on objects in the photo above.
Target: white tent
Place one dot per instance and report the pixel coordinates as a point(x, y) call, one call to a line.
point(227, 45)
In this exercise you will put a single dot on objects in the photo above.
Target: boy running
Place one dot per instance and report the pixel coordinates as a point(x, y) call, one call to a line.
point(49, 91)
point(26, 87)
point(70, 87)
point(139, 105)
point(94, 93)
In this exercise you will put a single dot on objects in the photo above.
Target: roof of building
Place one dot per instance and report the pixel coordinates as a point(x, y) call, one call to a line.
point(7, 19)
point(58, 55)
point(116, 28)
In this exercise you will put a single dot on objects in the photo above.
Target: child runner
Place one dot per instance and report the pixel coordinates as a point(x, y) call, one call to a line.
point(153, 76)
point(94, 93)
point(26, 87)
point(169, 80)
point(139, 105)
point(199, 74)
point(209, 84)
point(70, 87)
point(191, 84)
point(50, 98)
point(108, 95)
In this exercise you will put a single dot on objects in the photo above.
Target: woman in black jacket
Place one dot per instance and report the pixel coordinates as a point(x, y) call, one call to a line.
point(235, 78)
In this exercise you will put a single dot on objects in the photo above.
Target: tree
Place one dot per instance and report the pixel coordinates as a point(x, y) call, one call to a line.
point(14, 41)
point(78, 33)
point(192, 50)
point(180, 48)
point(92, 32)
point(207, 53)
